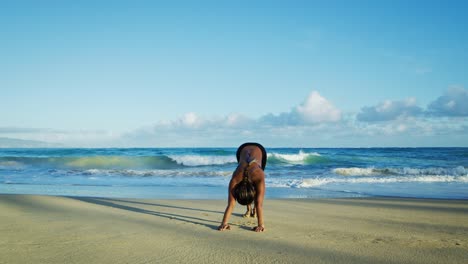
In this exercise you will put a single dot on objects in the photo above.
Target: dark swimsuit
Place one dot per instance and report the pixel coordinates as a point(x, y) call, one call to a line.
point(264, 154)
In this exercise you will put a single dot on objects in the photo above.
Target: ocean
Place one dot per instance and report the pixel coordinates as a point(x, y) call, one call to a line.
point(204, 173)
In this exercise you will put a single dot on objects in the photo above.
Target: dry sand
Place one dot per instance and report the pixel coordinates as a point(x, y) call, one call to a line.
point(47, 229)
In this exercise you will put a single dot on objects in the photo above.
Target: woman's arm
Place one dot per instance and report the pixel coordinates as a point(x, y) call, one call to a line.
point(230, 207)
point(260, 186)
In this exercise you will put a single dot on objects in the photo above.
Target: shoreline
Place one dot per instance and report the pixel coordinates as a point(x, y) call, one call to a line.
point(68, 229)
point(203, 192)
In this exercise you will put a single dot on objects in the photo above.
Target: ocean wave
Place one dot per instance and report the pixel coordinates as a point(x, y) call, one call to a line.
point(314, 182)
point(299, 158)
point(117, 162)
point(6, 164)
point(92, 162)
point(198, 160)
point(371, 171)
point(92, 173)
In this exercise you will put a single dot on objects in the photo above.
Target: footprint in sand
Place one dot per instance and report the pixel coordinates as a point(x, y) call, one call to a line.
point(378, 240)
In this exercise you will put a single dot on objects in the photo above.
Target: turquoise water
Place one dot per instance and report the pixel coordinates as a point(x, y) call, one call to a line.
point(204, 173)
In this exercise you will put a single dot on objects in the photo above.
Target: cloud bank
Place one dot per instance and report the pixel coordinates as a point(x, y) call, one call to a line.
point(453, 103)
point(316, 122)
point(389, 110)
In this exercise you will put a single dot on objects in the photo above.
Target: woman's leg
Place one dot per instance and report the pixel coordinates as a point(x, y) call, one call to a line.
point(253, 212)
point(249, 211)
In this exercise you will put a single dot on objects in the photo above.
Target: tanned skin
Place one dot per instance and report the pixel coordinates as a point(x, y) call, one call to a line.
point(257, 176)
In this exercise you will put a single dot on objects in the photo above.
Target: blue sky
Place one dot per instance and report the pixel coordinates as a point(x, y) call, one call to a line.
point(218, 73)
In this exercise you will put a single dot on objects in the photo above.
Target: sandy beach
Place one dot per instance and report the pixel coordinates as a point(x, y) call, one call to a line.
point(49, 229)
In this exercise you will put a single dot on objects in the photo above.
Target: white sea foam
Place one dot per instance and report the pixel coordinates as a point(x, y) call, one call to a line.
point(371, 171)
point(283, 183)
point(313, 182)
point(197, 160)
point(293, 158)
point(354, 171)
point(308, 183)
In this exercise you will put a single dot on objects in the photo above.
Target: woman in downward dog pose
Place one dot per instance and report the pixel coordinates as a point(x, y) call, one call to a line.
point(247, 184)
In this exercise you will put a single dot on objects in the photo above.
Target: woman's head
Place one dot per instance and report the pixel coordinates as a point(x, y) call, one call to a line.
point(244, 192)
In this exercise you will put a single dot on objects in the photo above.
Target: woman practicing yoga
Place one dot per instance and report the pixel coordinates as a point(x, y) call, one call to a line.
point(247, 184)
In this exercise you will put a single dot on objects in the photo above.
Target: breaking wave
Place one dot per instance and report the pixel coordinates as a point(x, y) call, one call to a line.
point(356, 175)
point(116, 162)
point(197, 160)
point(300, 158)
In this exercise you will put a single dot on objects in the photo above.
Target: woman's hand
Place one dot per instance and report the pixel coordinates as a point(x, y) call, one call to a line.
point(223, 227)
point(258, 229)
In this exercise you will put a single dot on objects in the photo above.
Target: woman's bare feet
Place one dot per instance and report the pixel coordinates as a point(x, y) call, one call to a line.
point(247, 214)
point(250, 213)
point(253, 213)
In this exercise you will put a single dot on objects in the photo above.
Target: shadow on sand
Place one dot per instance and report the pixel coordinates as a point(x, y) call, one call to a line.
point(115, 203)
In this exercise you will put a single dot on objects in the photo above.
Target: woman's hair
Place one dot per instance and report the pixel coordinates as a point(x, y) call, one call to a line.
point(244, 192)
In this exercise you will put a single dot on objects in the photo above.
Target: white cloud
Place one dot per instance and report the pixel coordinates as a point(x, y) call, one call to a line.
point(453, 103)
point(390, 110)
point(317, 109)
point(191, 120)
point(236, 120)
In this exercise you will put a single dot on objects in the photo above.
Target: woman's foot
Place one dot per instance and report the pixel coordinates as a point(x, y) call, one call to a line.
point(253, 213)
point(247, 214)
point(250, 213)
